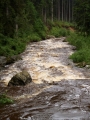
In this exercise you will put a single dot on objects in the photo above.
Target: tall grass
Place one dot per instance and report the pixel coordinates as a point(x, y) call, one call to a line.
point(58, 32)
point(59, 28)
point(82, 44)
point(13, 46)
point(5, 100)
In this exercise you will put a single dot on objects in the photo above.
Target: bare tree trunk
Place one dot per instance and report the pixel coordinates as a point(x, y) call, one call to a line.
point(45, 15)
point(69, 11)
point(58, 9)
point(66, 9)
point(52, 10)
point(42, 12)
point(72, 10)
point(62, 10)
point(7, 12)
point(16, 27)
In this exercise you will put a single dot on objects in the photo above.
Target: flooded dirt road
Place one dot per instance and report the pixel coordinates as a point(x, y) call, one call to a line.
point(59, 91)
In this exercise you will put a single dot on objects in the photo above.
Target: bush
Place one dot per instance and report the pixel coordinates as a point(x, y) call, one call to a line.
point(5, 100)
point(82, 55)
point(10, 46)
point(34, 37)
point(82, 44)
point(64, 24)
point(57, 32)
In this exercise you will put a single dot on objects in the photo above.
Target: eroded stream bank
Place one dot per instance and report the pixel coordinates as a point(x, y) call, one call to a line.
point(59, 90)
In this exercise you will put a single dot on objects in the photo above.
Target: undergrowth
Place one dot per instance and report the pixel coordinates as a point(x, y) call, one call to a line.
point(16, 45)
point(59, 28)
point(5, 100)
point(82, 44)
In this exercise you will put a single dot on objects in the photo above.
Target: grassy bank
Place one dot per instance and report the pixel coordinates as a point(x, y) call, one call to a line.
point(16, 45)
point(82, 43)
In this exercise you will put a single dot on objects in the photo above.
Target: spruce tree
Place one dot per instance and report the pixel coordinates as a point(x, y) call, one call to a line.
point(82, 15)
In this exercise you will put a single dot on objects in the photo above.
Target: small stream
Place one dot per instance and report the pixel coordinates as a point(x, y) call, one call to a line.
point(59, 91)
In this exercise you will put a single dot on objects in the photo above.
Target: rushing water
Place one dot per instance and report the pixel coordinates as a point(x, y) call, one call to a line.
point(46, 61)
point(59, 91)
point(64, 100)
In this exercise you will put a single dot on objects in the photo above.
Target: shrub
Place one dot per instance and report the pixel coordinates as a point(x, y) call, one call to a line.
point(34, 37)
point(82, 44)
point(10, 46)
point(57, 32)
point(82, 55)
point(5, 100)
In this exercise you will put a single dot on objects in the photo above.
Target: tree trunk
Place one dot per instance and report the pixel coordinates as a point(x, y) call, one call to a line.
point(58, 9)
point(62, 10)
point(7, 12)
point(45, 15)
point(52, 10)
point(69, 11)
point(16, 27)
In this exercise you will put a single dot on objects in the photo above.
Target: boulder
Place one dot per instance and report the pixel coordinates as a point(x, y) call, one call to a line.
point(65, 40)
point(2, 62)
point(50, 36)
point(12, 59)
point(20, 79)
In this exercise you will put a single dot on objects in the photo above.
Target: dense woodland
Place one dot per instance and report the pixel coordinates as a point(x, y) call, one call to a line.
point(19, 15)
point(23, 21)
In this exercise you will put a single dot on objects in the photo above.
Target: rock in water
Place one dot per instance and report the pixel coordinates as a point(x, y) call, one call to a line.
point(50, 36)
point(20, 79)
point(12, 59)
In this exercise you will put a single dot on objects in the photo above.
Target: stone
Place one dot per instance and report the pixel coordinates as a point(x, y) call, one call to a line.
point(81, 64)
point(87, 66)
point(65, 40)
point(2, 60)
point(74, 48)
point(20, 79)
point(12, 59)
point(50, 36)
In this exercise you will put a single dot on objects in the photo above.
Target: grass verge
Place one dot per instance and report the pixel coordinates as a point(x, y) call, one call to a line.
point(82, 43)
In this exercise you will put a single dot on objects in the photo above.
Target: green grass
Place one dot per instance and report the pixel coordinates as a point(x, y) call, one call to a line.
point(17, 44)
point(5, 100)
point(82, 44)
point(58, 32)
point(59, 28)
point(34, 37)
point(10, 46)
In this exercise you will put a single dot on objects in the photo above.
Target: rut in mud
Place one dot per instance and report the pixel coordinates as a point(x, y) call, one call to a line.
point(59, 91)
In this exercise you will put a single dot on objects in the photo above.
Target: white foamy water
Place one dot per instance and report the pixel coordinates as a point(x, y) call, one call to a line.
point(46, 60)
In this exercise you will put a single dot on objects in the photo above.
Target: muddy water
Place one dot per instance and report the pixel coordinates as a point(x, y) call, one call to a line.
point(59, 91)
point(64, 100)
point(46, 61)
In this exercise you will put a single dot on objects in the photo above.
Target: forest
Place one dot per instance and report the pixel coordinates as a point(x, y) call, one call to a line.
point(24, 21)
